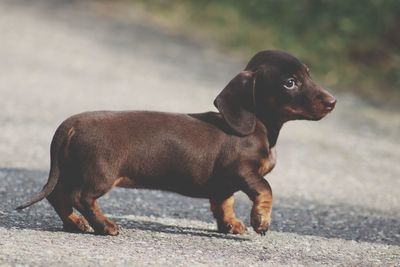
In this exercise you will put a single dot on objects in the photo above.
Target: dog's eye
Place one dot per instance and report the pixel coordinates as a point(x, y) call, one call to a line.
point(289, 84)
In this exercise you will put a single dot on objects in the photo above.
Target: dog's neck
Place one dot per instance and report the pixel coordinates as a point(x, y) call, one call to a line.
point(273, 130)
point(273, 133)
point(273, 126)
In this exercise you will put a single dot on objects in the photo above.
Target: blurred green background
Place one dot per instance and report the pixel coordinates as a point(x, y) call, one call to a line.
point(350, 45)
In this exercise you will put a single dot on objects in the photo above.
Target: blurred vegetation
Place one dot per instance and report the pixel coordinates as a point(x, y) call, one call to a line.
point(348, 44)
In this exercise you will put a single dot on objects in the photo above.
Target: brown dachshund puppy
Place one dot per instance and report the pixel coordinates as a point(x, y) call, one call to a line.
point(206, 155)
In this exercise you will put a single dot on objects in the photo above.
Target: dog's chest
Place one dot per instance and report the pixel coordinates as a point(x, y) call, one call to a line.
point(268, 162)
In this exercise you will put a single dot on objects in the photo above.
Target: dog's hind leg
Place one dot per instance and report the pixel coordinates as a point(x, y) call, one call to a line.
point(94, 183)
point(62, 203)
point(90, 209)
point(223, 212)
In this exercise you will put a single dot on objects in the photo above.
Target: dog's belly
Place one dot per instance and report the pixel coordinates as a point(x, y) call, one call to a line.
point(180, 185)
point(194, 180)
point(187, 189)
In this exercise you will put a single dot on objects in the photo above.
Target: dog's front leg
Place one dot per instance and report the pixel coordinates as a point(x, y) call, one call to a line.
point(223, 211)
point(259, 191)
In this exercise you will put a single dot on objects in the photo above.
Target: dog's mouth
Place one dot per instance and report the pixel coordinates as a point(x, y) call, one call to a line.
point(296, 113)
point(319, 116)
point(316, 112)
point(321, 111)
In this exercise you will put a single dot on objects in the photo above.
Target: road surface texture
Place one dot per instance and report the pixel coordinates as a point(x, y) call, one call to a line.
point(336, 184)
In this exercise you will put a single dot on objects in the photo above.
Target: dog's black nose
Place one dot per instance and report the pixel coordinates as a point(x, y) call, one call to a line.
point(330, 102)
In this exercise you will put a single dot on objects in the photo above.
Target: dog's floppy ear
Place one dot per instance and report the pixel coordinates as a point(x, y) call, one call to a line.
point(236, 103)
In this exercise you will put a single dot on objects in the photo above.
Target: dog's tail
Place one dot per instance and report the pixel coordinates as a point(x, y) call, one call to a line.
point(47, 189)
point(59, 144)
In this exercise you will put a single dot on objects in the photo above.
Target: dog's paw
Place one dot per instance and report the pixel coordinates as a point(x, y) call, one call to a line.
point(260, 223)
point(108, 228)
point(232, 226)
point(111, 230)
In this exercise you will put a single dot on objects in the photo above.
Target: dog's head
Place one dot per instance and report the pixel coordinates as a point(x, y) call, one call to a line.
point(274, 85)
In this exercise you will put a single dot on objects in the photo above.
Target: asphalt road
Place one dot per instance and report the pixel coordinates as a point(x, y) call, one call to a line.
point(336, 184)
